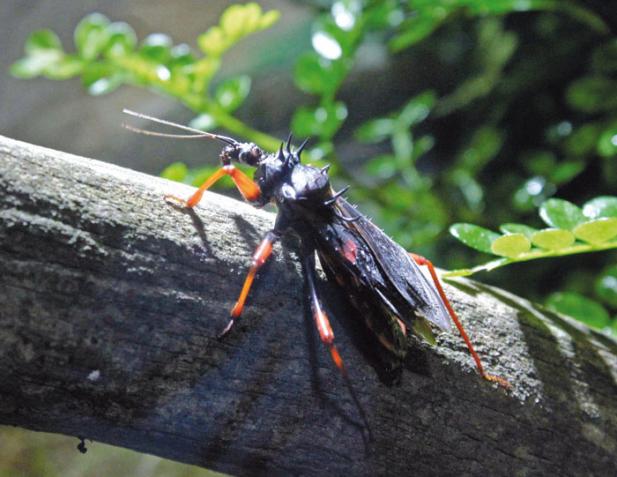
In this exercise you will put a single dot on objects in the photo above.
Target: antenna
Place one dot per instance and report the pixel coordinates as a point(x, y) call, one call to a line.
point(198, 133)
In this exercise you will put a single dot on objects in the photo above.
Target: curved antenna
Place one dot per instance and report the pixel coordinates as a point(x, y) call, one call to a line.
point(198, 133)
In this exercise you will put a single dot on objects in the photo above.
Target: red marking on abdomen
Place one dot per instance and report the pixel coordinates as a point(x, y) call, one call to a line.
point(349, 250)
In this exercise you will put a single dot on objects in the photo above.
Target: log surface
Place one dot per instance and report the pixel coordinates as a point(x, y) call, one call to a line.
point(111, 301)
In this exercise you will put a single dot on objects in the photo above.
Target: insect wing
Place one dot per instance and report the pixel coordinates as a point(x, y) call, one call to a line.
point(401, 271)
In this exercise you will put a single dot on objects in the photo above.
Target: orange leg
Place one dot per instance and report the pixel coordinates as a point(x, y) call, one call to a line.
point(327, 335)
point(424, 261)
point(261, 255)
point(249, 190)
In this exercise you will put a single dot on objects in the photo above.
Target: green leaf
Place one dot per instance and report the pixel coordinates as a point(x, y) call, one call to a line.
point(239, 20)
point(232, 92)
point(42, 40)
point(381, 167)
point(553, 239)
point(176, 171)
point(606, 286)
point(415, 29)
point(417, 108)
point(318, 75)
point(322, 121)
point(561, 214)
point(579, 307)
point(213, 42)
point(593, 94)
point(268, 19)
point(100, 78)
point(607, 142)
point(474, 236)
point(375, 130)
point(603, 206)
point(122, 40)
point(518, 229)
point(511, 245)
point(91, 36)
point(66, 67)
point(583, 140)
point(484, 145)
point(566, 171)
point(597, 231)
point(156, 47)
point(34, 65)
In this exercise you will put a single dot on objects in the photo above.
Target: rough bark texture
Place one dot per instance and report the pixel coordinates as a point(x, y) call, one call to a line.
point(111, 301)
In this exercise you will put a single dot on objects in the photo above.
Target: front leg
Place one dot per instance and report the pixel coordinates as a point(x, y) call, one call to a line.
point(249, 190)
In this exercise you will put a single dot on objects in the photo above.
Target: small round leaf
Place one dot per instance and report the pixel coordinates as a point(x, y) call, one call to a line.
point(553, 239)
point(474, 236)
point(91, 35)
point(42, 40)
point(597, 231)
point(579, 307)
point(122, 40)
point(518, 229)
point(511, 245)
point(561, 214)
point(603, 206)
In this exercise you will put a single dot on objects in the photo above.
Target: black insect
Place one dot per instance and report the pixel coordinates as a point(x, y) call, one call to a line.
point(384, 281)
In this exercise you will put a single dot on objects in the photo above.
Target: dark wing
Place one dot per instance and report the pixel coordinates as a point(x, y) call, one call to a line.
point(404, 275)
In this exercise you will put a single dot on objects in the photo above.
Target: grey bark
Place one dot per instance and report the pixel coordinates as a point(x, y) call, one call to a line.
point(110, 305)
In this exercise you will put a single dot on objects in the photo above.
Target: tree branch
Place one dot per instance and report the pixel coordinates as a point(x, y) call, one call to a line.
point(112, 299)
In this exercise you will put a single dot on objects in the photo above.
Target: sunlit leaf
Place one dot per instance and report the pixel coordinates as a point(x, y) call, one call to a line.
point(156, 47)
point(317, 75)
point(91, 36)
point(561, 214)
point(213, 41)
point(579, 307)
point(42, 40)
point(597, 231)
point(553, 239)
point(231, 93)
point(603, 206)
point(474, 236)
point(321, 121)
point(511, 245)
point(122, 39)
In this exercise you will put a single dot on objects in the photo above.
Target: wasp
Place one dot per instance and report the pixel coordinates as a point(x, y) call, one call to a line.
point(384, 282)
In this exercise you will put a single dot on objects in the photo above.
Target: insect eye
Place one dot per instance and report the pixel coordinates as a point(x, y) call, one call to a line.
point(250, 154)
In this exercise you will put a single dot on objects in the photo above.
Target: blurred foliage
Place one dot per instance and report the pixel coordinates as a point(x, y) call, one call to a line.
point(29, 454)
point(522, 108)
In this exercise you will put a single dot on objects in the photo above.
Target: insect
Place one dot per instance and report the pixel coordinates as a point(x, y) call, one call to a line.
point(383, 280)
